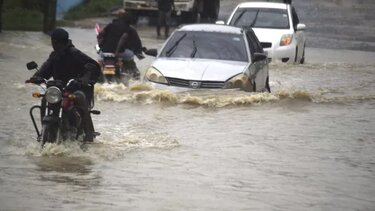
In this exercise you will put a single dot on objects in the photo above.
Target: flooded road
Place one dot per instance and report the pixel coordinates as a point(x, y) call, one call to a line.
point(309, 145)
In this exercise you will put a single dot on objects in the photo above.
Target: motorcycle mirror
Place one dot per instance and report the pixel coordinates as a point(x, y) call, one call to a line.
point(151, 52)
point(32, 65)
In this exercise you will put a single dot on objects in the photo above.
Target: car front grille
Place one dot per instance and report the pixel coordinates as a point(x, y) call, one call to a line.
point(212, 84)
point(201, 84)
point(178, 82)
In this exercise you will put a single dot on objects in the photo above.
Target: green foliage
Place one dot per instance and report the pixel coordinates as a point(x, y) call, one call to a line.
point(22, 19)
point(26, 4)
point(92, 8)
point(12, 4)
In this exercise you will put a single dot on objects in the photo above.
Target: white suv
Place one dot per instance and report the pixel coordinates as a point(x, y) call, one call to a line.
point(276, 26)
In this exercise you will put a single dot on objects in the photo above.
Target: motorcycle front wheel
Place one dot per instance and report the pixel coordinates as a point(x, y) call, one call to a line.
point(48, 134)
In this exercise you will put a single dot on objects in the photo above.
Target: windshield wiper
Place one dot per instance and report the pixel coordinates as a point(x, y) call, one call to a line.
point(255, 19)
point(172, 49)
point(192, 55)
point(238, 18)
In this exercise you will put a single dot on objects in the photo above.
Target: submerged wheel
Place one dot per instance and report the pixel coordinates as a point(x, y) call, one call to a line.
point(48, 134)
point(302, 61)
point(254, 87)
point(296, 56)
point(268, 84)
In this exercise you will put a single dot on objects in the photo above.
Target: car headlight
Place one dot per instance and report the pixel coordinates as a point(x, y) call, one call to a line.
point(240, 81)
point(154, 75)
point(286, 39)
point(53, 95)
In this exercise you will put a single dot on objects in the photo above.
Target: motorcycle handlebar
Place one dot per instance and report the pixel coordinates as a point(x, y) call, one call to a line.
point(36, 80)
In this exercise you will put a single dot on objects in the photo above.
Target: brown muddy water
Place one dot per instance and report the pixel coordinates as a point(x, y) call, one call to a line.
point(309, 145)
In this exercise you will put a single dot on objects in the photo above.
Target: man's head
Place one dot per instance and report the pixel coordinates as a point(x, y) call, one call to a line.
point(59, 39)
point(124, 16)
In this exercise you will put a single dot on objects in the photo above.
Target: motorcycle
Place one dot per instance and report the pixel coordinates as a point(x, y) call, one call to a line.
point(115, 69)
point(60, 118)
point(111, 69)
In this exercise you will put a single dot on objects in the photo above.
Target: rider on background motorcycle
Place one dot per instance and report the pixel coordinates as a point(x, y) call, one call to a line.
point(66, 63)
point(120, 38)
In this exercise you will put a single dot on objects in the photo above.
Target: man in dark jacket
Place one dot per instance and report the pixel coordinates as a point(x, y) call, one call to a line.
point(121, 38)
point(165, 8)
point(66, 63)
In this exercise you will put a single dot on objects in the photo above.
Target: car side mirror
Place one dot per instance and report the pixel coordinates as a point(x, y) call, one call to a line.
point(32, 65)
point(151, 52)
point(266, 44)
point(301, 27)
point(259, 57)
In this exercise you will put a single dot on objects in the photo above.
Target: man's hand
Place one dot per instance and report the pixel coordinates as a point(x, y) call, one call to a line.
point(140, 56)
point(84, 81)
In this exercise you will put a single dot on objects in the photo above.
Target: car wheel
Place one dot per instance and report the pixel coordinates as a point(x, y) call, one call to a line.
point(268, 84)
point(302, 61)
point(254, 87)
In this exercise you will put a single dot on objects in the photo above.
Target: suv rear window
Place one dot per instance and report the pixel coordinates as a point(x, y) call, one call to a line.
point(261, 18)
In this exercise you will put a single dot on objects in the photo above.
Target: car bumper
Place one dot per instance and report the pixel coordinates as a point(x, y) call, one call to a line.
point(282, 53)
point(176, 89)
point(173, 89)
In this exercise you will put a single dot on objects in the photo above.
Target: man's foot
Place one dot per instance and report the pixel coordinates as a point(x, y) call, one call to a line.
point(89, 138)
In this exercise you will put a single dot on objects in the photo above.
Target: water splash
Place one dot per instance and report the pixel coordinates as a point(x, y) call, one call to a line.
point(109, 146)
point(143, 93)
point(65, 149)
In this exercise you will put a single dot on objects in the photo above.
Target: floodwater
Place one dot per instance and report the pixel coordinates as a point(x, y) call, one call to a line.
point(309, 145)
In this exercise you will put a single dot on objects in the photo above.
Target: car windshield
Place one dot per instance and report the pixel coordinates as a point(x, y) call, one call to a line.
point(206, 45)
point(261, 18)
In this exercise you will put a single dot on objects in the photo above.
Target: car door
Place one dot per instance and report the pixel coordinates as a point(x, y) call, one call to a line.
point(258, 68)
point(299, 34)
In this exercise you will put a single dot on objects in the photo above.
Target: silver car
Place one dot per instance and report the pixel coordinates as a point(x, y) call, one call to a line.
point(277, 27)
point(209, 56)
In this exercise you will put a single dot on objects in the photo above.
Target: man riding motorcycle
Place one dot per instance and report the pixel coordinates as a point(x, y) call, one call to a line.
point(66, 63)
point(120, 38)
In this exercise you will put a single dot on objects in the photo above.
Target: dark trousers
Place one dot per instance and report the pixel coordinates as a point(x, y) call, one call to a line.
point(164, 19)
point(83, 103)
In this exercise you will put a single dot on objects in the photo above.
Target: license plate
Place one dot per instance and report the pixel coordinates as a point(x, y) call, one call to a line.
point(109, 71)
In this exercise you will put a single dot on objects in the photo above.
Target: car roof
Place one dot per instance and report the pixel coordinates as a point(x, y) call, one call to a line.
point(269, 5)
point(212, 28)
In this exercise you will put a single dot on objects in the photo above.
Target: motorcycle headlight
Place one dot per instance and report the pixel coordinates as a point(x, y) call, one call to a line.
point(286, 39)
point(53, 95)
point(154, 75)
point(240, 81)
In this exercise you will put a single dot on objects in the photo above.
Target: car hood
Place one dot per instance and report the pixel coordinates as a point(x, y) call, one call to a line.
point(199, 69)
point(270, 35)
